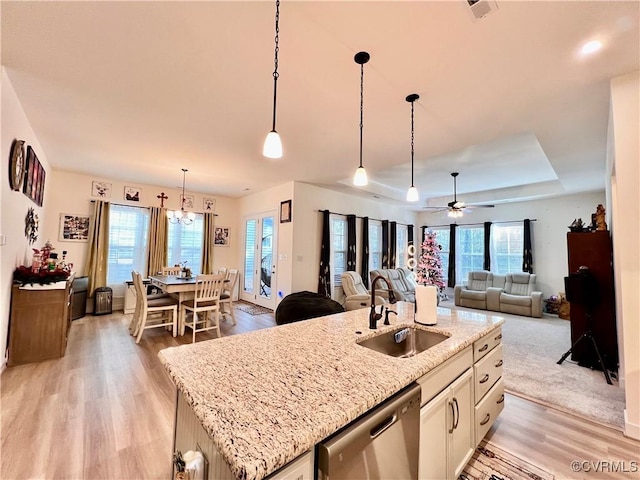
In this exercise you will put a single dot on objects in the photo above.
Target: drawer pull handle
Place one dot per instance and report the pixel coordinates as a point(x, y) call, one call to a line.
point(501, 399)
point(486, 345)
point(499, 337)
point(499, 363)
point(486, 419)
point(485, 378)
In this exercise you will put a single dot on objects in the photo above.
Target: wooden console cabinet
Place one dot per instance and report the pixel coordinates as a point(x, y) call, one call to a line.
point(39, 324)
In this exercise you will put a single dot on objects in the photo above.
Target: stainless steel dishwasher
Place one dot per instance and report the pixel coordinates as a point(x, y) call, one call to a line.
point(382, 444)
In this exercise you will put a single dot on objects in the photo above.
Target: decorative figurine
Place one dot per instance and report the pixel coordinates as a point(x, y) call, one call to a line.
point(597, 219)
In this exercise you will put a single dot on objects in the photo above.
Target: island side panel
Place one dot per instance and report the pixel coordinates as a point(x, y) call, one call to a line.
point(189, 435)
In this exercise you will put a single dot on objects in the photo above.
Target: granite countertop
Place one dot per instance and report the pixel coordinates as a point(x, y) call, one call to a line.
point(265, 397)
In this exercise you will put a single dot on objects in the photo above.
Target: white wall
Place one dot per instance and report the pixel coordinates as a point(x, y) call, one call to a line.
point(71, 193)
point(17, 251)
point(625, 128)
point(548, 232)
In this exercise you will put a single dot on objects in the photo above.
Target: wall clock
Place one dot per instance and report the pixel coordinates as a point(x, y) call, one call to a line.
point(17, 162)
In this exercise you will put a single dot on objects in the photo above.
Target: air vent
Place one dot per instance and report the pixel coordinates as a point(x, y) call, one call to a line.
point(481, 8)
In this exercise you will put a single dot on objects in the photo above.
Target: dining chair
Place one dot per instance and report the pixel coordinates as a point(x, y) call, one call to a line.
point(151, 308)
point(171, 270)
point(206, 300)
point(226, 298)
point(223, 271)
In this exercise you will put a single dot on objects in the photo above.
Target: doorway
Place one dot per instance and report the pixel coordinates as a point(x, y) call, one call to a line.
point(260, 241)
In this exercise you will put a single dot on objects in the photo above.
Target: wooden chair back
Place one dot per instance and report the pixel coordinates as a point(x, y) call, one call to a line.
point(208, 288)
point(171, 271)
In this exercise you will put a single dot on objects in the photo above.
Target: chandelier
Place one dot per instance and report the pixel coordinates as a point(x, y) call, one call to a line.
point(180, 216)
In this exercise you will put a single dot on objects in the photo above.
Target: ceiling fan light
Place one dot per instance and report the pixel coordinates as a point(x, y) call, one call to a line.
point(272, 145)
point(360, 179)
point(412, 194)
point(455, 213)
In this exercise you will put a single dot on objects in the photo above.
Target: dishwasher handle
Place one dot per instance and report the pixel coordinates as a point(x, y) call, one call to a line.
point(382, 426)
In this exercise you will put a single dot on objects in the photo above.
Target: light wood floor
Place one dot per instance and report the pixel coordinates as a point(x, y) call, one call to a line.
point(105, 411)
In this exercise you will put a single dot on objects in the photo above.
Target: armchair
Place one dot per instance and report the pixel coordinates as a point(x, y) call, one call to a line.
point(519, 296)
point(357, 295)
point(402, 290)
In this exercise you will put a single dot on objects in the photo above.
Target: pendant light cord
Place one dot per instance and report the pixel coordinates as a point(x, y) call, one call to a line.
point(275, 61)
point(412, 144)
point(361, 106)
point(184, 174)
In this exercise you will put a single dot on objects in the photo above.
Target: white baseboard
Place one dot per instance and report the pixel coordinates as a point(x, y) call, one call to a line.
point(631, 430)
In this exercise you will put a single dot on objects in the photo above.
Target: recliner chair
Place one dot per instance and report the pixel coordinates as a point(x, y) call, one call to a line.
point(519, 296)
point(474, 293)
point(357, 295)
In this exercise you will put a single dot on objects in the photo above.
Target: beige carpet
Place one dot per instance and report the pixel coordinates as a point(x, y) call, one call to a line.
point(532, 346)
point(491, 463)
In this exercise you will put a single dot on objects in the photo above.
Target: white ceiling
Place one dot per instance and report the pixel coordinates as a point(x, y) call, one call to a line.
point(138, 90)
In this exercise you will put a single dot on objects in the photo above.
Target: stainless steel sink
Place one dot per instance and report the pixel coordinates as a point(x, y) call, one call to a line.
point(403, 342)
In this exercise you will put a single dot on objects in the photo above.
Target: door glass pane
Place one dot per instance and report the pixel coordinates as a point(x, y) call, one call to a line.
point(249, 254)
point(267, 257)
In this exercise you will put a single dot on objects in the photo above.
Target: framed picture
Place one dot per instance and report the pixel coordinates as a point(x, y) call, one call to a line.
point(74, 228)
point(209, 204)
point(285, 211)
point(221, 236)
point(33, 186)
point(132, 194)
point(187, 202)
point(101, 189)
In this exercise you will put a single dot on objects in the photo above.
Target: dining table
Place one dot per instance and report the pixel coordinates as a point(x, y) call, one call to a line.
point(180, 287)
point(177, 286)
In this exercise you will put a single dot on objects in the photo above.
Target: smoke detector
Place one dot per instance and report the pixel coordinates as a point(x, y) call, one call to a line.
point(482, 8)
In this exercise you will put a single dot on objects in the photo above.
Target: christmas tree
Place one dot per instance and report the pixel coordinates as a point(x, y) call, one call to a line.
point(429, 268)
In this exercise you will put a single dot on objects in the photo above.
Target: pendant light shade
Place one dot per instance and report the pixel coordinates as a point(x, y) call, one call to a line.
point(360, 178)
point(180, 216)
point(272, 144)
point(412, 193)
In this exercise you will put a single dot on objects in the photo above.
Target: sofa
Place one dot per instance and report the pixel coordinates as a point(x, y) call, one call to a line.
point(511, 293)
point(518, 296)
point(473, 294)
point(401, 281)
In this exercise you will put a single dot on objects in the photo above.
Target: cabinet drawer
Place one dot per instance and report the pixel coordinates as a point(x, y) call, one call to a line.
point(437, 380)
point(488, 410)
point(487, 372)
point(484, 345)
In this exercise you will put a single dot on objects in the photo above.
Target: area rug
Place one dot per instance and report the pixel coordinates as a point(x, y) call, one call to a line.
point(252, 309)
point(531, 348)
point(491, 463)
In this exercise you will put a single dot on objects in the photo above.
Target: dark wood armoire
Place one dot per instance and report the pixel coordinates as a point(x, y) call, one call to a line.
point(594, 251)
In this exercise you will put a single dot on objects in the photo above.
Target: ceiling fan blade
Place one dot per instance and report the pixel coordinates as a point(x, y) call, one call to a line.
point(479, 206)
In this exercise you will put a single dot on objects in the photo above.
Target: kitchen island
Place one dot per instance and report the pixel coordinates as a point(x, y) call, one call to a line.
point(266, 397)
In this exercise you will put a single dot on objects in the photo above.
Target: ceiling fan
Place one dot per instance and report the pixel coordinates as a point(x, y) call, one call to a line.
point(455, 208)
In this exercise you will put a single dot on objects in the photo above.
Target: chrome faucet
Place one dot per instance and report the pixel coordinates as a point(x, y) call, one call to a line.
point(373, 315)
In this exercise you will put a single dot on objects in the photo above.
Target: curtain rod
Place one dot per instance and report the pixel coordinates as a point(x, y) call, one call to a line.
point(358, 216)
point(479, 223)
point(139, 206)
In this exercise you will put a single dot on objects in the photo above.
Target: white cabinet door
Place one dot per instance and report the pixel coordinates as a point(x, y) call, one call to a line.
point(435, 423)
point(462, 437)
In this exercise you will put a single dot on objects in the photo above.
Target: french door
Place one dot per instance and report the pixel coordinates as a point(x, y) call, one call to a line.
point(260, 245)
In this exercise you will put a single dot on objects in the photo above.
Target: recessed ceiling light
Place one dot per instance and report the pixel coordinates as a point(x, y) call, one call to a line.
point(591, 47)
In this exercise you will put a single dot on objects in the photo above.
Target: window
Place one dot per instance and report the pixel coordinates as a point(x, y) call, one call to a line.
point(507, 245)
point(338, 248)
point(375, 245)
point(442, 237)
point(401, 246)
point(470, 248)
point(128, 232)
point(184, 244)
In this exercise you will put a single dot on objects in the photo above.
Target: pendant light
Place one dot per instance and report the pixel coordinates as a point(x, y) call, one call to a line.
point(178, 216)
point(272, 144)
point(412, 193)
point(360, 178)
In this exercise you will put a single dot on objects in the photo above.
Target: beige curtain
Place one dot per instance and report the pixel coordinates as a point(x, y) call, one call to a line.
point(157, 251)
point(98, 246)
point(207, 243)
